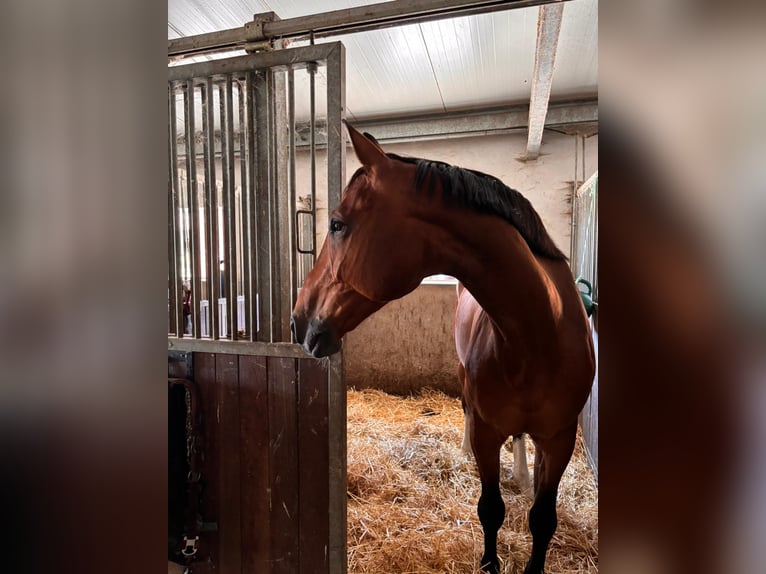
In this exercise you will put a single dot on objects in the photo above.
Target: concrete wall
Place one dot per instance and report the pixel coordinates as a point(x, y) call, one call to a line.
point(408, 344)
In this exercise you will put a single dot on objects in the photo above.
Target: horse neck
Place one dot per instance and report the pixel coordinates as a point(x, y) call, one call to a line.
point(489, 256)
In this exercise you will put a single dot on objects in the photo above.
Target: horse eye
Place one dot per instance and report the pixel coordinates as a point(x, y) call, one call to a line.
point(337, 226)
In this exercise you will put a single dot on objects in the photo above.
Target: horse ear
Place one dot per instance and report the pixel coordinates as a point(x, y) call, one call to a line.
point(371, 137)
point(367, 151)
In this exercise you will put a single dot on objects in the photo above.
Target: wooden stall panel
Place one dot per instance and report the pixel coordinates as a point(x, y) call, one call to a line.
point(256, 479)
point(283, 427)
point(204, 376)
point(228, 417)
point(314, 484)
point(265, 465)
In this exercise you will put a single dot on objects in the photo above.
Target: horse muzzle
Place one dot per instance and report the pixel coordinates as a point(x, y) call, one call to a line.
point(316, 337)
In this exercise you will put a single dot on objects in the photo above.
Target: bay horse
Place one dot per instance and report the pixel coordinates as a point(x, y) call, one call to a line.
point(522, 336)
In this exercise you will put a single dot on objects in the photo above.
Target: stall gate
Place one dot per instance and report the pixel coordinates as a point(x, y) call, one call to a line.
point(584, 262)
point(273, 448)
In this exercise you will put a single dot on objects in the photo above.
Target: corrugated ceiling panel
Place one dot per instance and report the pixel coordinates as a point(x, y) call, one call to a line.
point(485, 59)
point(451, 64)
point(388, 72)
point(576, 72)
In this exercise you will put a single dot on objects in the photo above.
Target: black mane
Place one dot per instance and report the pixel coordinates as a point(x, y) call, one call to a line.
point(485, 194)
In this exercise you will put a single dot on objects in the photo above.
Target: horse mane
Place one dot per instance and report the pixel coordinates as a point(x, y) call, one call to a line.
point(485, 194)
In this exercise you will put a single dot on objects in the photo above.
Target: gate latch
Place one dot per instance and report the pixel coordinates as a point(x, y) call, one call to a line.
point(190, 546)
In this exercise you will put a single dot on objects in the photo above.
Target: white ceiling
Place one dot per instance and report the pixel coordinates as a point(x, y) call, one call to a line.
point(447, 65)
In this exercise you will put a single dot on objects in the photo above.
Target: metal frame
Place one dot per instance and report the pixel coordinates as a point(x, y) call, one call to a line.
point(266, 27)
point(265, 108)
point(264, 271)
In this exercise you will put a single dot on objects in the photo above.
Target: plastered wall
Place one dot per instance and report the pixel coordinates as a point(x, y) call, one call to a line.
point(408, 344)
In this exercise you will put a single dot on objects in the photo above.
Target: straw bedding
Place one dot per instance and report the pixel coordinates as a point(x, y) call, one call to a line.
point(412, 494)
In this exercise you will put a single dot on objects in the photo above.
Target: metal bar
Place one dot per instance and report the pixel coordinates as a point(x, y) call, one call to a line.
point(336, 108)
point(193, 205)
point(294, 257)
point(263, 207)
point(344, 21)
point(297, 57)
point(244, 130)
point(251, 256)
point(582, 140)
point(312, 69)
point(336, 174)
point(336, 429)
point(224, 346)
point(454, 124)
point(443, 125)
point(595, 242)
point(274, 277)
point(211, 204)
point(172, 178)
point(206, 134)
point(231, 241)
point(183, 203)
point(548, 28)
point(177, 243)
point(575, 207)
point(226, 219)
point(285, 207)
point(282, 299)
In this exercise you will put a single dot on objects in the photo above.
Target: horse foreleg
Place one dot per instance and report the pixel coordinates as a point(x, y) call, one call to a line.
point(486, 443)
point(542, 516)
point(520, 469)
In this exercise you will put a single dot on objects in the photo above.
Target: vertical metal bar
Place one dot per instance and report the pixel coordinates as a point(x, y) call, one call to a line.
point(230, 214)
point(312, 69)
point(263, 208)
point(336, 418)
point(274, 215)
point(595, 241)
point(205, 262)
point(184, 194)
point(573, 226)
point(294, 256)
point(584, 174)
point(244, 128)
point(172, 178)
point(177, 240)
point(225, 203)
point(336, 173)
point(193, 205)
point(281, 162)
point(251, 257)
point(211, 212)
point(274, 277)
point(336, 111)
point(573, 234)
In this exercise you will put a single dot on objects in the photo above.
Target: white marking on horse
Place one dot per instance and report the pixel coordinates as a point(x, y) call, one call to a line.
point(520, 469)
point(466, 446)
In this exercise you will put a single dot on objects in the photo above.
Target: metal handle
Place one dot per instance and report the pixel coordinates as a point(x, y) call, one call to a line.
point(311, 251)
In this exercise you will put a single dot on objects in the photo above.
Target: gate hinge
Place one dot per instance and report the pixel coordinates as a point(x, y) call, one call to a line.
point(256, 40)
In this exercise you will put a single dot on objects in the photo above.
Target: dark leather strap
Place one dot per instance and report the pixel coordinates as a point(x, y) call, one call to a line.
point(194, 445)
